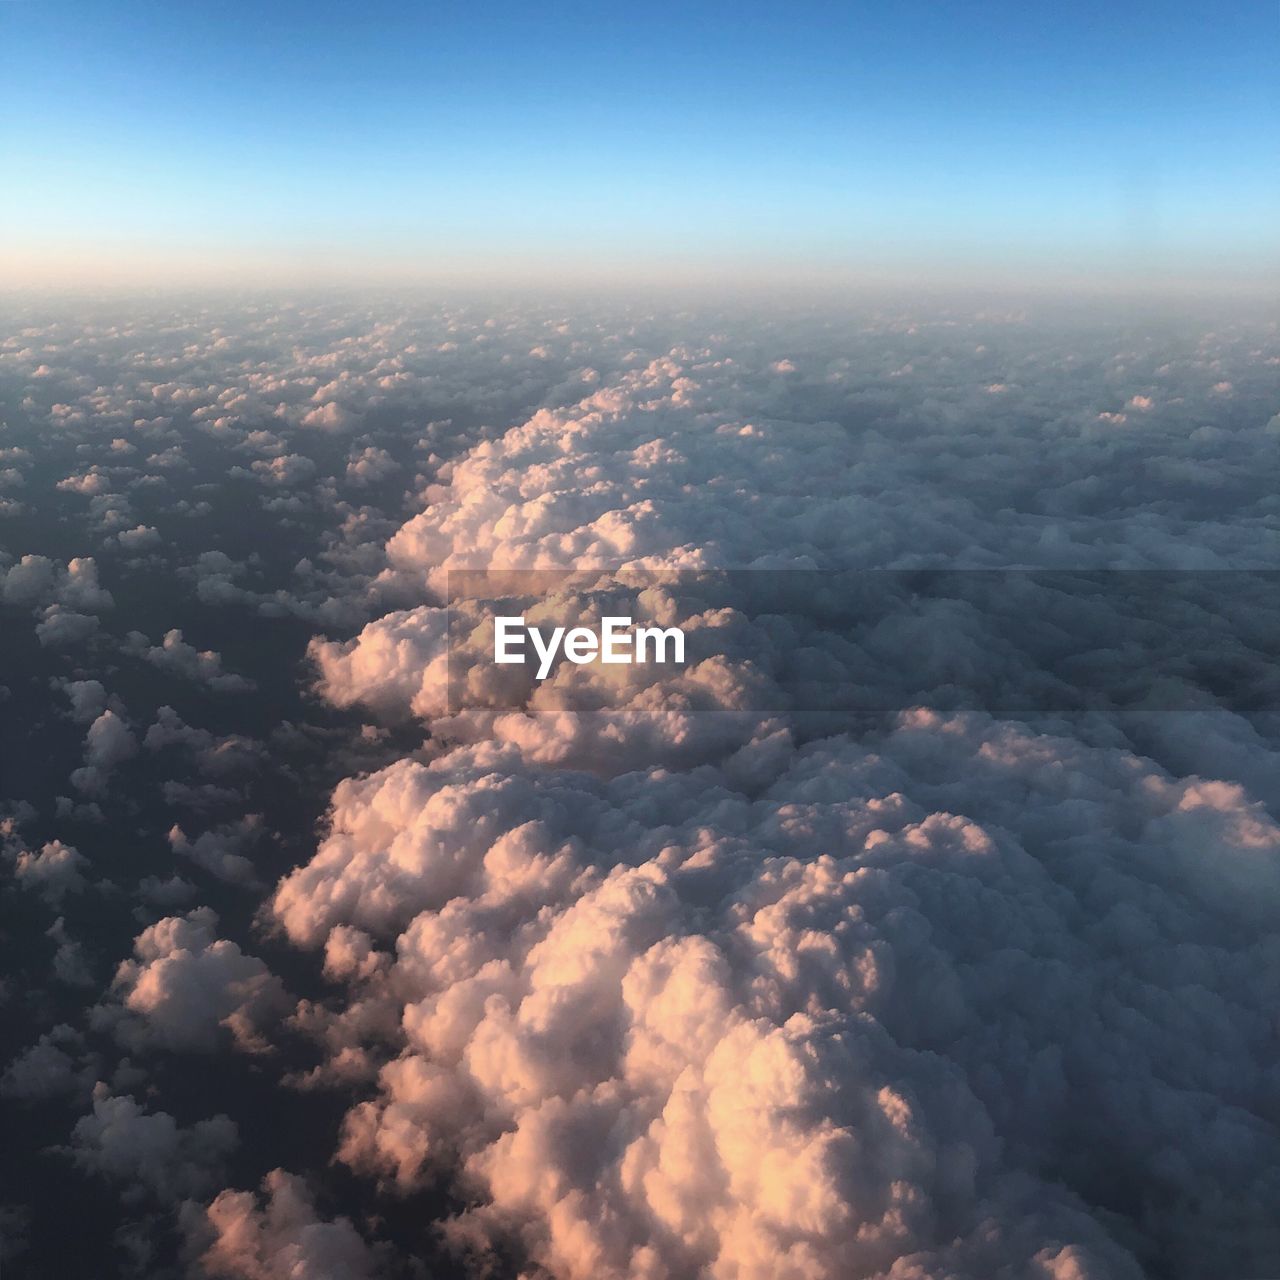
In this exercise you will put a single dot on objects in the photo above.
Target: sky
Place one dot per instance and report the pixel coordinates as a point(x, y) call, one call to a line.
point(506, 141)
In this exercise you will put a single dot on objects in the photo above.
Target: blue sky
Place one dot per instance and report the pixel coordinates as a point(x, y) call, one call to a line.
point(495, 136)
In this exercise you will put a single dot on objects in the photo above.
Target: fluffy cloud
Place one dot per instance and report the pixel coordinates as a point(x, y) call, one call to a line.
point(218, 850)
point(216, 756)
point(108, 743)
point(917, 1002)
point(61, 628)
point(37, 580)
point(78, 587)
point(370, 466)
point(52, 1067)
point(664, 1040)
point(186, 988)
point(88, 699)
point(284, 472)
point(148, 1153)
point(329, 417)
point(53, 872)
point(175, 655)
point(71, 965)
point(29, 580)
point(665, 977)
point(139, 538)
point(281, 1240)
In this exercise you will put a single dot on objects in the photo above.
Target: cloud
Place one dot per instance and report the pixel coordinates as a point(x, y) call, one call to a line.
point(88, 699)
point(78, 588)
point(38, 581)
point(370, 466)
point(173, 654)
point(282, 1239)
point(217, 851)
point(147, 1153)
point(284, 472)
point(680, 993)
point(108, 743)
point(55, 871)
point(61, 628)
point(187, 988)
point(139, 538)
point(50, 1068)
point(28, 581)
point(89, 484)
point(329, 417)
point(642, 1028)
point(658, 976)
point(215, 756)
point(70, 964)
point(173, 892)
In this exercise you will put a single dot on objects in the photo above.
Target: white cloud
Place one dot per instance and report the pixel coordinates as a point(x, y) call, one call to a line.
point(108, 743)
point(855, 1006)
point(139, 538)
point(666, 987)
point(61, 628)
point(329, 417)
point(281, 1240)
point(55, 871)
point(187, 988)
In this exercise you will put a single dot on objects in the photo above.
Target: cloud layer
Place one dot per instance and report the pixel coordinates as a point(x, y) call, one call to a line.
point(642, 973)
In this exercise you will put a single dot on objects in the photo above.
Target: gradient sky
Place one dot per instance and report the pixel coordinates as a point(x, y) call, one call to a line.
point(146, 137)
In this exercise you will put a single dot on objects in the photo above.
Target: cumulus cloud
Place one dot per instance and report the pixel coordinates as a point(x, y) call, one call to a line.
point(89, 484)
point(148, 1154)
point(584, 958)
point(850, 1006)
point(284, 472)
point(175, 655)
point(140, 538)
point(71, 964)
point(55, 1066)
point(187, 988)
point(53, 872)
point(370, 466)
point(39, 581)
point(29, 580)
point(108, 743)
point(61, 628)
point(88, 699)
point(664, 977)
point(171, 892)
point(218, 850)
point(217, 756)
point(280, 1238)
point(329, 417)
point(78, 587)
